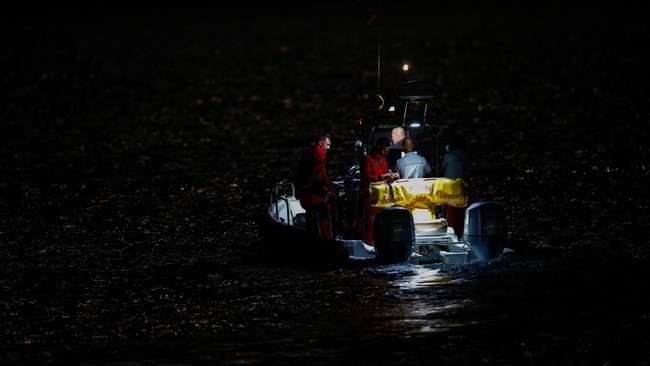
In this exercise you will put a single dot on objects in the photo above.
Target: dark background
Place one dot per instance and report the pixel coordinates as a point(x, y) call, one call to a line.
point(138, 145)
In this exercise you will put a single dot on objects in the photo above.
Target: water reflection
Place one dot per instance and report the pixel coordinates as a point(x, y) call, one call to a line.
point(422, 277)
point(424, 300)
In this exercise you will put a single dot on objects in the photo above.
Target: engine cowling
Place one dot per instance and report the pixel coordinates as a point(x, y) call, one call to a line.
point(485, 230)
point(394, 235)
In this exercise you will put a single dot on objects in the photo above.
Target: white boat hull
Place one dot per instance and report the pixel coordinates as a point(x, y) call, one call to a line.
point(433, 242)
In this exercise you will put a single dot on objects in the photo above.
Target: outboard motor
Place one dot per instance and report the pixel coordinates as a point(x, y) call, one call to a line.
point(394, 235)
point(485, 230)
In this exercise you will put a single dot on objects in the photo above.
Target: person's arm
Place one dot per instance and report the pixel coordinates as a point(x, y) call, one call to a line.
point(389, 177)
point(427, 168)
point(370, 174)
point(398, 168)
point(321, 171)
point(366, 171)
point(326, 182)
point(445, 162)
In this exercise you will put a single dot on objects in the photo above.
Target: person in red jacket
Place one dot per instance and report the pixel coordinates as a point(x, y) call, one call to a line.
point(374, 168)
point(314, 187)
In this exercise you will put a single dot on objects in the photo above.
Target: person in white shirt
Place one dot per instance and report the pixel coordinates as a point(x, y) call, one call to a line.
point(412, 165)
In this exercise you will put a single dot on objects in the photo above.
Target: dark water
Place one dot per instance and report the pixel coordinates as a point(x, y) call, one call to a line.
point(137, 147)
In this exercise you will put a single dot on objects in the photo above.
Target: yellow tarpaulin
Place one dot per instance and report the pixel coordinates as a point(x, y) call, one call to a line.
point(419, 193)
point(449, 191)
point(380, 195)
point(413, 193)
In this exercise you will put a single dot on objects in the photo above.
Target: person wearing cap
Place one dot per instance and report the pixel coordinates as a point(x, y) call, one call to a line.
point(374, 168)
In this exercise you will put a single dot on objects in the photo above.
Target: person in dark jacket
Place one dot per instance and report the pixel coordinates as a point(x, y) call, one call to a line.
point(396, 151)
point(456, 164)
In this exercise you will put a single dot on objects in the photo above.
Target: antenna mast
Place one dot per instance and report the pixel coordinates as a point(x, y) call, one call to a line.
point(373, 20)
point(378, 48)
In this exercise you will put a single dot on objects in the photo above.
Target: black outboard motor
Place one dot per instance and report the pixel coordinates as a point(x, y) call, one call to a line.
point(485, 230)
point(394, 235)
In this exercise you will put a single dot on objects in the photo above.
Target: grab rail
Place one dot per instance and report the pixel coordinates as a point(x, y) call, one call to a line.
point(275, 197)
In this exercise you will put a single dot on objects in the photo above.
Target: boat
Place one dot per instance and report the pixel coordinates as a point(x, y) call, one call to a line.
point(412, 225)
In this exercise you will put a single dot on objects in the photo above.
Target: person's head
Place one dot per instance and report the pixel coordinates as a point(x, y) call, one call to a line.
point(324, 141)
point(398, 134)
point(409, 145)
point(457, 142)
point(382, 145)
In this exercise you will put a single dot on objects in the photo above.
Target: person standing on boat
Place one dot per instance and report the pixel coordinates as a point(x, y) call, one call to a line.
point(412, 165)
point(374, 168)
point(396, 151)
point(455, 165)
point(314, 187)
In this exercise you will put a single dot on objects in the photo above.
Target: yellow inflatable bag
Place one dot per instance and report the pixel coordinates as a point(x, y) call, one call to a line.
point(413, 193)
point(423, 215)
point(449, 191)
point(401, 196)
point(380, 195)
